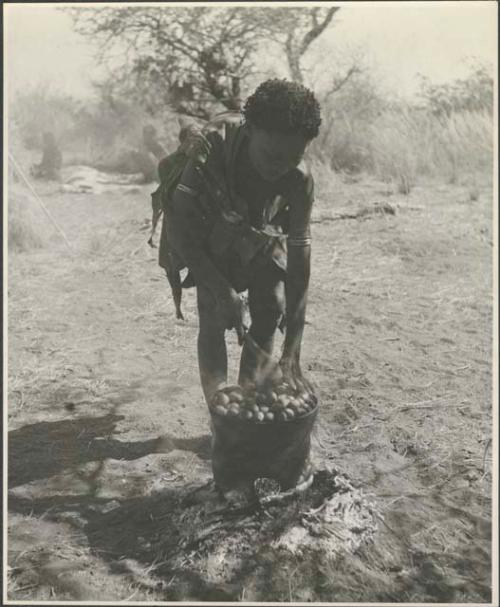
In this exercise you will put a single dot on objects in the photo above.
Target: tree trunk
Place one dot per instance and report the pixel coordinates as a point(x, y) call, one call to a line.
point(293, 59)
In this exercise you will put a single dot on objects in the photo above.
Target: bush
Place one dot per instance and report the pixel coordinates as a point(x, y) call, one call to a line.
point(89, 132)
point(449, 136)
point(404, 143)
point(362, 130)
point(471, 94)
point(346, 116)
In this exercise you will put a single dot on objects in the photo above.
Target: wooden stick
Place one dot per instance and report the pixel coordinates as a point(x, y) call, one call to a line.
point(429, 406)
point(37, 197)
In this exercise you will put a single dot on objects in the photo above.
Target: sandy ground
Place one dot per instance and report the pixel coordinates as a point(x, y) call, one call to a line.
point(106, 413)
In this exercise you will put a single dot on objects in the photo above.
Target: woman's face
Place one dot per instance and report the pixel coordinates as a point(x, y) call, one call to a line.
point(274, 154)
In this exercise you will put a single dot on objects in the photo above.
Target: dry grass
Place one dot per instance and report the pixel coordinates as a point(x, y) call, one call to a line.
point(402, 146)
point(27, 227)
point(98, 243)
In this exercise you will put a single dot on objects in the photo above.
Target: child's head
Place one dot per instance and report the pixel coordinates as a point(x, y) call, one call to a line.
point(282, 118)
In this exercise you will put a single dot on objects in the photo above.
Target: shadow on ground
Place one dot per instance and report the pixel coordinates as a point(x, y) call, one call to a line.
point(142, 536)
point(45, 449)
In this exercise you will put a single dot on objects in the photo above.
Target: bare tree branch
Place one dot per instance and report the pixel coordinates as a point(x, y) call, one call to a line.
point(172, 53)
point(338, 83)
point(302, 26)
point(317, 29)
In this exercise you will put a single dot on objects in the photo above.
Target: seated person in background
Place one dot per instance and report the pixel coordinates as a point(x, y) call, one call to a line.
point(51, 163)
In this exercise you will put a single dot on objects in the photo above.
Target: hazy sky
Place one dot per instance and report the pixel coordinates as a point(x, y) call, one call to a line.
point(399, 38)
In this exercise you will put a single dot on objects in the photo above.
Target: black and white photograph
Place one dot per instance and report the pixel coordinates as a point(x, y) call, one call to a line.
point(250, 314)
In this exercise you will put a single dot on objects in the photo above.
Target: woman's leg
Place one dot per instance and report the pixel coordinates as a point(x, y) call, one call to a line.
point(212, 354)
point(266, 299)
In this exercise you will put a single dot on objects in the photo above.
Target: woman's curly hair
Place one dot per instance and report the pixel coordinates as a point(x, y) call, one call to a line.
point(284, 106)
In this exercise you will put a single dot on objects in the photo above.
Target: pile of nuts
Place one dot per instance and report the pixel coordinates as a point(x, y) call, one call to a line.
point(265, 404)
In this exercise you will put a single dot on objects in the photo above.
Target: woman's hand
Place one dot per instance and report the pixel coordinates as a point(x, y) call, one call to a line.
point(195, 145)
point(293, 376)
point(232, 310)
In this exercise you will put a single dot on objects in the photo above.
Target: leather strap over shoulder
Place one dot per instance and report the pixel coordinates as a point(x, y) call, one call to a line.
point(186, 189)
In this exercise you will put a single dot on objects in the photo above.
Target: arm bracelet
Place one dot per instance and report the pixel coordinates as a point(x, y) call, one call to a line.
point(299, 242)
